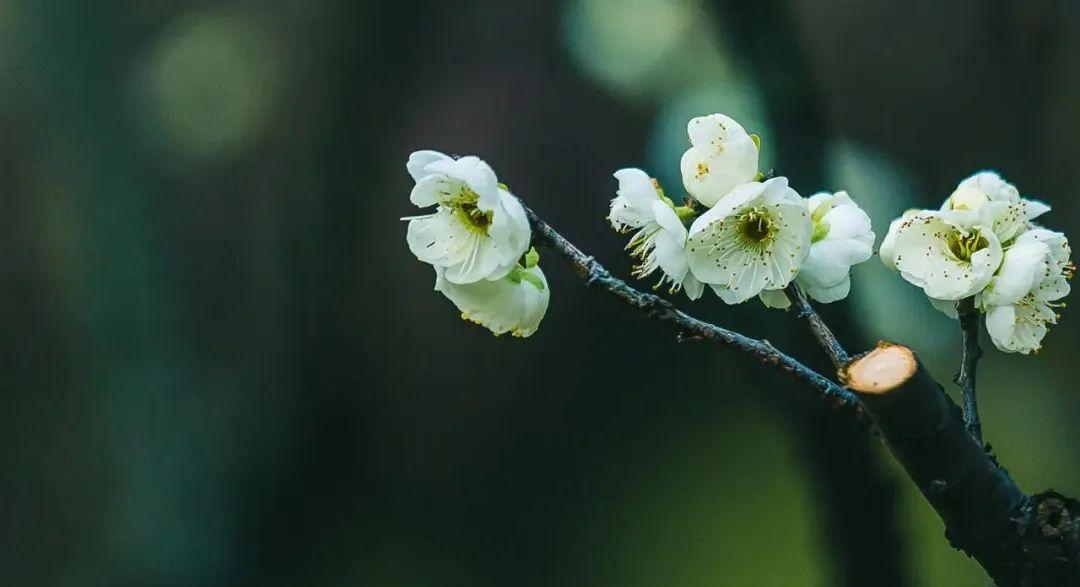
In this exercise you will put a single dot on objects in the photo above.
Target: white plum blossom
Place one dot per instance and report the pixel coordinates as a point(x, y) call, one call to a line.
point(1019, 308)
point(722, 157)
point(514, 303)
point(753, 239)
point(983, 244)
point(985, 198)
point(942, 255)
point(841, 238)
point(478, 229)
point(660, 240)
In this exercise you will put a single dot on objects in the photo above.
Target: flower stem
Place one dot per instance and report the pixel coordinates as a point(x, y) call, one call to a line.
point(821, 331)
point(969, 330)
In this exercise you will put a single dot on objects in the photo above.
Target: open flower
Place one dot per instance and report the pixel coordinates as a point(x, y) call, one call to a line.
point(723, 156)
point(985, 198)
point(660, 240)
point(841, 238)
point(478, 230)
point(514, 303)
point(755, 238)
point(1017, 321)
point(945, 258)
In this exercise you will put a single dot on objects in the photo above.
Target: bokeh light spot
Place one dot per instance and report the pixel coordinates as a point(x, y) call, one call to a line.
point(209, 84)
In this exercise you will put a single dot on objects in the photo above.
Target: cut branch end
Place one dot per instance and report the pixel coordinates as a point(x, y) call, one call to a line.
point(887, 367)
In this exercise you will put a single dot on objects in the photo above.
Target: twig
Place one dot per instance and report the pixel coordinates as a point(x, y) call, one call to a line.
point(969, 330)
point(821, 331)
point(658, 308)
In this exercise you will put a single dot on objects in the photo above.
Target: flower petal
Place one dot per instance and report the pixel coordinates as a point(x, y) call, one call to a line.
point(418, 162)
point(504, 305)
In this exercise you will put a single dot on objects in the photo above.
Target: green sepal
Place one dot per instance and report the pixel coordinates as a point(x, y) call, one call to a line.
point(757, 140)
point(531, 258)
point(685, 213)
point(532, 278)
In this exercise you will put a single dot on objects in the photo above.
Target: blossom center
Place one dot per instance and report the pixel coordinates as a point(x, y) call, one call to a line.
point(755, 227)
point(473, 217)
point(964, 246)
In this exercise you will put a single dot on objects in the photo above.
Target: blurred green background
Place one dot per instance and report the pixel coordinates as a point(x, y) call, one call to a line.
point(221, 365)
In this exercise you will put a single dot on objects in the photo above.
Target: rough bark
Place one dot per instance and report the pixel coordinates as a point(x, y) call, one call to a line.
point(1021, 540)
point(965, 378)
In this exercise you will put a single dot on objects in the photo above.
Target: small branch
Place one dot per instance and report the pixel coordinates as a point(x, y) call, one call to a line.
point(969, 329)
point(658, 308)
point(1021, 540)
point(821, 331)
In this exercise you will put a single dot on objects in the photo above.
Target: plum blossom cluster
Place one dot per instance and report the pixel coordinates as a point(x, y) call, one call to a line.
point(741, 234)
point(983, 244)
point(738, 232)
point(477, 240)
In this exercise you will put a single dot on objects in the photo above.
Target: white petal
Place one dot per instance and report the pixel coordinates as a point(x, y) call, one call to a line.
point(847, 221)
point(827, 295)
point(1022, 266)
point(502, 305)
point(947, 307)
point(991, 184)
point(632, 205)
point(432, 189)
point(815, 201)
point(726, 295)
point(1054, 284)
point(668, 220)
point(636, 187)
point(887, 251)
point(509, 231)
point(774, 298)
point(1035, 208)
point(708, 178)
point(418, 162)
point(830, 261)
point(1000, 321)
point(708, 131)
point(692, 287)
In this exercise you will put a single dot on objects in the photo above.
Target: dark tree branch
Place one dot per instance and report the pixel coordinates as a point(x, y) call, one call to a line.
point(821, 331)
point(658, 308)
point(1021, 540)
point(969, 330)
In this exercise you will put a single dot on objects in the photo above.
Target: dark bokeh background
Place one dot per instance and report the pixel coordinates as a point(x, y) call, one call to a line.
point(221, 365)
